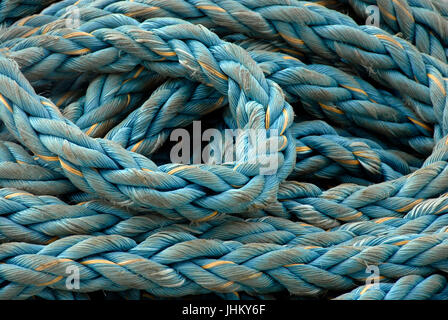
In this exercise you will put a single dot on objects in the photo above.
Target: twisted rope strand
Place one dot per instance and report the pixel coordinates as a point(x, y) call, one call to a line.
point(11, 10)
point(326, 33)
point(19, 170)
point(108, 99)
point(324, 106)
point(412, 287)
point(419, 22)
point(345, 212)
point(84, 103)
point(22, 220)
point(47, 110)
point(117, 263)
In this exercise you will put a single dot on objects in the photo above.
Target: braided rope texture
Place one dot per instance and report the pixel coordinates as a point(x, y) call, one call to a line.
point(350, 116)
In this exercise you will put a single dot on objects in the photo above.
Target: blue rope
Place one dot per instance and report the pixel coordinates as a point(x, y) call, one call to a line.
point(411, 287)
point(422, 107)
point(418, 21)
point(11, 10)
point(118, 263)
point(280, 119)
point(408, 70)
point(358, 115)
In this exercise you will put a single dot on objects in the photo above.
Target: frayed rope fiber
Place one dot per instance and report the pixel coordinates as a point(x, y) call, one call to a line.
point(352, 116)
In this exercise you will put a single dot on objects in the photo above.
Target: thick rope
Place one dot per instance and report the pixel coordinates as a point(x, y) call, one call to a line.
point(333, 109)
point(13, 9)
point(118, 263)
point(411, 287)
point(389, 59)
point(344, 212)
point(22, 220)
point(419, 22)
point(279, 109)
point(88, 106)
point(18, 169)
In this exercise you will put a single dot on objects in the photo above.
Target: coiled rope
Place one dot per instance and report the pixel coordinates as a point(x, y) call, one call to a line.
point(357, 114)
